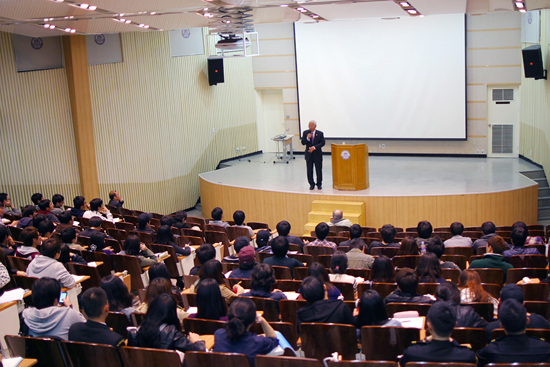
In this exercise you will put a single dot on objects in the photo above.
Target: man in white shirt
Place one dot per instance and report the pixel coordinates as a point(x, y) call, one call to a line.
point(97, 209)
point(338, 219)
point(457, 240)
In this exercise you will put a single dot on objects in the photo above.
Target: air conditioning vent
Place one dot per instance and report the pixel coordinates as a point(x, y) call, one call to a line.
point(503, 94)
point(503, 139)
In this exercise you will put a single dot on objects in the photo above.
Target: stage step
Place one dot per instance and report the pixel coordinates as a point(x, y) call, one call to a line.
point(321, 211)
point(544, 193)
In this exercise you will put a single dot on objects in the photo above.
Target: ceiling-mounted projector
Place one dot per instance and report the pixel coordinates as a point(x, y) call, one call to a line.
point(232, 42)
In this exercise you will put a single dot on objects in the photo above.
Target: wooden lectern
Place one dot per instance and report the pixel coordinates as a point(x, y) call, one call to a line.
point(350, 166)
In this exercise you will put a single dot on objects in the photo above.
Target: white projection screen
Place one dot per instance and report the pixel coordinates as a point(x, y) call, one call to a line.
point(384, 79)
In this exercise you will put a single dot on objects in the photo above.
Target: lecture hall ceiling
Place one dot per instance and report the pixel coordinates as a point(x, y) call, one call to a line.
point(28, 17)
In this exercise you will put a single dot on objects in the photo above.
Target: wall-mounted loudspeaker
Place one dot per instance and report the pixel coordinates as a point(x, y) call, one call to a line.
point(532, 62)
point(215, 70)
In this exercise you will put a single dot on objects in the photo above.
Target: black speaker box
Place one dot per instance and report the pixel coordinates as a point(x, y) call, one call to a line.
point(532, 62)
point(215, 70)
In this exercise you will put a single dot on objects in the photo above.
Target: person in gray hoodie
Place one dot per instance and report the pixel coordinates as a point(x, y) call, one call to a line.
point(49, 317)
point(31, 240)
point(46, 264)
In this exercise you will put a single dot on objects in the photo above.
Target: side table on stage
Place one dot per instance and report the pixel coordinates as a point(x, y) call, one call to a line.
point(285, 152)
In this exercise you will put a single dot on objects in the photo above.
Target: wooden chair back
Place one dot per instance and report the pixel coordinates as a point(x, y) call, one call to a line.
point(490, 275)
point(212, 359)
point(459, 260)
point(492, 289)
point(114, 244)
point(269, 306)
point(202, 326)
point(18, 263)
point(528, 261)
point(535, 333)
point(282, 272)
point(467, 252)
point(421, 308)
point(118, 234)
point(365, 230)
point(83, 241)
point(130, 219)
point(127, 226)
point(286, 285)
point(113, 209)
point(171, 262)
point(84, 222)
point(405, 261)
point(483, 309)
point(427, 288)
point(235, 232)
point(384, 343)
point(289, 309)
point(47, 351)
point(24, 282)
point(189, 299)
point(106, 267)
point(137, 318)
point(92, 272)
point(132, 265)
point(384, 289)
point(438, 364)
point(320, 340)
point(214, 227)
point(106, 224)
point(303, 258)
point(452, 274)
point(146, 238)
point(125, 211)
point(258, 225)
point(196, 220)
point(191, 240)
point(189, 280)
point(476, 337)
point(386, 251)
point(346, 289)
point(539, 307)
point(363, 273)
point(535, 291)
point(356, 363)
point(514, 275)
point(315, 251)
point(300, 273)
point(118, 321)
point(191, 232)
point(337, 240)
point(282, 361)
point(147, 357)
point(324, 260)
point(91, 355)
point(215, 237)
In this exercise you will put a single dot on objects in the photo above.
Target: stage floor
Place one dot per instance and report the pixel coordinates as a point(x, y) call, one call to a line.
point(389, 176)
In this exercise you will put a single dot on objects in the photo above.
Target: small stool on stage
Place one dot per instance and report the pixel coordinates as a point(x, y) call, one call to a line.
point(285, 152)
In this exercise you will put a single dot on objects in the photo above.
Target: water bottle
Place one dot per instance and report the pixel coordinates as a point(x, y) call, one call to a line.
point(422, 247)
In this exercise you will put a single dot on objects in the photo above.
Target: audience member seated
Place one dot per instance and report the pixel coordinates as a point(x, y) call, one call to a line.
point(97, 209)
point(115, 199)
point(94, 226)
point(283, 229)
point(465, 315)
point(262, 238)
point(238, 244)
point(519, 236)
point(65, 221)
point(236, 337)
point(45, 207)
point(36, 198)
point(382, 270)
point(7, 244)
point(28, 213)
point(166, 237)
point(159, 270)
point(408, 247)
point(167, 220)
point(68, 237)
point(263, 279)
point(4, 276)
point(217, 215)
point(155, 288)
point(144, 220)
point(247, 262)
point(46, 264)
point(319, 308)
point(161, 328)
point(238, 217)
point(428, 269)
point(321, 232)
point(48, 317)
point(180, 220)
point(488, 228)
point(133, 247)
point(95, 307)
point(210, 303)
point(120, 300)
point(493, 257)
point(204, 253)
point(424, 229)
point(97, 243)
point(439, 347)
point(515, 292)
point(6, 203)
point(31, 240)
point(388, 233)
point(320, 272)
point(515, 346)
point(457, 240)
point(370, 311)
point(45, 227)
point(79, 206)
point(279, 246)
point(338, 266)
point(407, 281)
point(212, 269)
point(58, 201)
point(338, 219)
point(68, 256)
point(355, 232)
point(357, 259)
point(471, 289)
point(437, 247)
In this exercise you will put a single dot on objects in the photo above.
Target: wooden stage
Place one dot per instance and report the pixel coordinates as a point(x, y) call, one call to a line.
point(403, 191)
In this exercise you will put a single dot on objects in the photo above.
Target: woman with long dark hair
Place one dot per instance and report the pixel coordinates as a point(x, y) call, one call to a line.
point(212, 269)
point(263, 279)
point(408, 247)
point(120, 300)
point(428, 269)
point(318, 271)
point(166, 237)
point(161, 328)
point(155, 288)
point(236, 338)
point(134, 247)
point(210, 303)
point(382, 270)
point(370, 310)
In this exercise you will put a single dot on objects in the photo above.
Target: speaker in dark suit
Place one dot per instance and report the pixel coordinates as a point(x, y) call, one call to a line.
point(314, 140)
point(532, 62)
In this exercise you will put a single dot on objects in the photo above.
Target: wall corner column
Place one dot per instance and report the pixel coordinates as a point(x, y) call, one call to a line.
point(76, 66)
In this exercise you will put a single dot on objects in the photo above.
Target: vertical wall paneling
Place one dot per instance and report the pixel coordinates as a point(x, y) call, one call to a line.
point(38, 152)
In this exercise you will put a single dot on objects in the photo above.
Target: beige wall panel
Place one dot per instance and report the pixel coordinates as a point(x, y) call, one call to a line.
point(276, 46)
point(276, 79)
point(290, 95)
point(494, 20)
point(283, 63)
point(477, 127)
point(275, 31)
point(495, 57)
point(38, 148)
point(508, 74)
